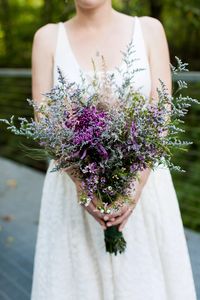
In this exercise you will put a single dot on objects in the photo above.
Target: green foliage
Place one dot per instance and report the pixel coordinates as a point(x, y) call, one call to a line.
point(187, 184)
point(19, 20)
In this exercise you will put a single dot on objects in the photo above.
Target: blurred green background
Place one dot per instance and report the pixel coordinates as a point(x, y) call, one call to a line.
point(20, 19)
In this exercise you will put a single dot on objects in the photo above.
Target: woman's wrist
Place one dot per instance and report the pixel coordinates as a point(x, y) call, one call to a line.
point(73, 174)
point(144, 175)
point(139, 185)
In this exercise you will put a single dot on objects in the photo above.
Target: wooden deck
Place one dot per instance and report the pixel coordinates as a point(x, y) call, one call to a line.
point(20, 193)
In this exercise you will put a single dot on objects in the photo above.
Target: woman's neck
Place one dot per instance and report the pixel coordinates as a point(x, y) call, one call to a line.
point(95, 18)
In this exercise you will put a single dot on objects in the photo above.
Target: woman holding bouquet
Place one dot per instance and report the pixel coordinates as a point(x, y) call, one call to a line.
point(70, 261)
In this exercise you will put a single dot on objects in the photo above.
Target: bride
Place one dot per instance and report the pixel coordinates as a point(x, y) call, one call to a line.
point(70, 258)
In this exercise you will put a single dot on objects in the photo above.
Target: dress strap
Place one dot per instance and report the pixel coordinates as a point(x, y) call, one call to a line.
point(65, 44)
point(58, 41)
point(141, 41)
point(63, 34)
point(135, 26)
point(61, 55)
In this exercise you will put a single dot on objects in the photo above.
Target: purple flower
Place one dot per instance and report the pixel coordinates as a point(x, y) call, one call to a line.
point(88, 125)
point(103, 180)
point(133, 129)
point(102, 151)
point(134, 168)
point(91, 168)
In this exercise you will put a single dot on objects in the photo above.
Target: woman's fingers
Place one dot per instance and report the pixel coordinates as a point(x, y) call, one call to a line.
point(120, 219)
point(92, 208)
point(120, 212)
point(101, 222)
point(96, 214)
point(107, 220)
point(96, 211)
point(115, 214)
point(106, 216)
point(121, 227)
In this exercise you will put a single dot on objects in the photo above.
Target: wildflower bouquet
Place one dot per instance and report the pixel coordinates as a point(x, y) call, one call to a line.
point(107, 133)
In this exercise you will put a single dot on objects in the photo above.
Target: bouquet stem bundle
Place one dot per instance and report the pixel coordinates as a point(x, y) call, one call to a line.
point(114, 240)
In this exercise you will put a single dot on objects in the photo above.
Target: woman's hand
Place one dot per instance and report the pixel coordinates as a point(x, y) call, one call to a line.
point(91, 208)
point(121, 217)
point(99, 217)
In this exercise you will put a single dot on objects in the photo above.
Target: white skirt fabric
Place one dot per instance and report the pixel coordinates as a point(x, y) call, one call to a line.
point(71, 262)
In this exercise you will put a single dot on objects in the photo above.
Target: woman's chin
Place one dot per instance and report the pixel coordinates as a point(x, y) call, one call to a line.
point(90, 4)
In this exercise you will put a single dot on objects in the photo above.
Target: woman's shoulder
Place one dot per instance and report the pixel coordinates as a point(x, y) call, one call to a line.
point(153, 31)
point(151, 24)
point(45, 36)
point(151, 27)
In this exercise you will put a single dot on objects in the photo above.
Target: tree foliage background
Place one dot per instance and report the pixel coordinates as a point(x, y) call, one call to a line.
point(19, 19)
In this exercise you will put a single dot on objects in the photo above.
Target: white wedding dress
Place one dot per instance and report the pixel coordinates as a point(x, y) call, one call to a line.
point(70, 259)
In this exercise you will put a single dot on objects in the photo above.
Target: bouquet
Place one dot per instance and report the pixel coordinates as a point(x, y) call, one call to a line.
point(107, 133)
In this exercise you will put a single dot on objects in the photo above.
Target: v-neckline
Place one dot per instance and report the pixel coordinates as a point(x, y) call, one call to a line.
point(91, 71)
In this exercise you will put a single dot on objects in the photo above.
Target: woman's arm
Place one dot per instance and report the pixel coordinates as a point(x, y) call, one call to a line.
point(159, 60)
point(43, 50)
point(42, 61)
